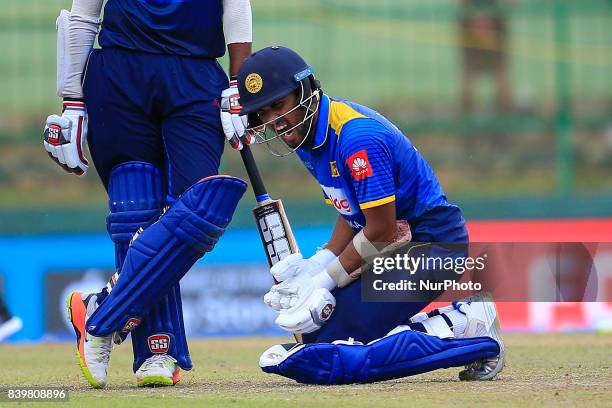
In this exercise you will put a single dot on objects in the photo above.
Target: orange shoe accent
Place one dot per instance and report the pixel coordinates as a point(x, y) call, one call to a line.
point(176, 377)
point(77, 314)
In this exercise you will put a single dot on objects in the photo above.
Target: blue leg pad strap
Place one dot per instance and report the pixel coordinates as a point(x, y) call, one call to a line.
point(399, 355)
point(165, 251)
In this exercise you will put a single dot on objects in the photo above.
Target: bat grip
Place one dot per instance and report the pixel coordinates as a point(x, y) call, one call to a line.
point(251, 167)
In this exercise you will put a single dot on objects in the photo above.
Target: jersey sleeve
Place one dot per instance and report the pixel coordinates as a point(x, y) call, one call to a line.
point(367, 162)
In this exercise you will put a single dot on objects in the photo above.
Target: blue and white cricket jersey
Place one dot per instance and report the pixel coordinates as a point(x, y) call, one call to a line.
point(361, 160)
point(191, 28)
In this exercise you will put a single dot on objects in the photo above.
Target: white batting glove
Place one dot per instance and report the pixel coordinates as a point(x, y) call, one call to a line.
point(316, 309)
point(293, 265)
point(64, 137)
point(234, 125)
point(303, 298)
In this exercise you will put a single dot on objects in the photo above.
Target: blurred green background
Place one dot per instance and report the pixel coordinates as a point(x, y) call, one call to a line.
point(546, 153)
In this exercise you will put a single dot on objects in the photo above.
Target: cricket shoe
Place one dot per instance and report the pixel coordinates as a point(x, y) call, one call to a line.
point(278, 353)
point(482, 322)
point(9, 327)
point(159, 370)
point(93, 352)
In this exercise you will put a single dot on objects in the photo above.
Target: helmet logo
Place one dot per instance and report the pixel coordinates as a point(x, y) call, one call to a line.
point(253, 83)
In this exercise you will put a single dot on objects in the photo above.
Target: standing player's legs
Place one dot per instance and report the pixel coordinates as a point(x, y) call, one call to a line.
point(126, 149)
point(193, 144)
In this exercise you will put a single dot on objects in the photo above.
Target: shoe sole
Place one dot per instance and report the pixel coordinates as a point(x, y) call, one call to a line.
point(495, 334)
point(77, 312)
point(159, 380)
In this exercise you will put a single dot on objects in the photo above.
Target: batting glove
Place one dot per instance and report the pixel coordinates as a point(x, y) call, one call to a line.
point(234, 125)
point(64, 137)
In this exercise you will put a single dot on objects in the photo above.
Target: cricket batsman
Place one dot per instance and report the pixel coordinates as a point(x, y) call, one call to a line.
point(385, 193)
point(148, 103)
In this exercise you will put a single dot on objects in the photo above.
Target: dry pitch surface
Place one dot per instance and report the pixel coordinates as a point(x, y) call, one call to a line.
point(542, 370)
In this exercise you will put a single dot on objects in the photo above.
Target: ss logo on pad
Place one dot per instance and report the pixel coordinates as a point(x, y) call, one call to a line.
point(159, 343)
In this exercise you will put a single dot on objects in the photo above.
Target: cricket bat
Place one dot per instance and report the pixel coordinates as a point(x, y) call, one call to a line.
point(272, 223)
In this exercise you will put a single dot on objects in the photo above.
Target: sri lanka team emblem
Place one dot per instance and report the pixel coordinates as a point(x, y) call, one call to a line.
point(360, 165)
point(253, 83)
point(334, 169)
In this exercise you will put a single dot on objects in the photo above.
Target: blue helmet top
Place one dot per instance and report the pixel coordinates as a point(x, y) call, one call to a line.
point(268, 75)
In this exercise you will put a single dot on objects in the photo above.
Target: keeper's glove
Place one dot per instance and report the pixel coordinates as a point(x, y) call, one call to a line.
point(64, 137)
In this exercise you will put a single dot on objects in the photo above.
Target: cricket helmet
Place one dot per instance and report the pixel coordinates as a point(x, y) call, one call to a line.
point(269, 75)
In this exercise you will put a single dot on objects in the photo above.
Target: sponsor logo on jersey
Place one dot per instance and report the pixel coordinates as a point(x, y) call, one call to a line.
point(334, 169)
point(339, 200)
point(360, 165)
point(159, 343)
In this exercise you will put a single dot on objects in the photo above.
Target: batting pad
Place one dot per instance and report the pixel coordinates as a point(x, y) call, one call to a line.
point(165, 251)
point(136, 198)
point(398, 355)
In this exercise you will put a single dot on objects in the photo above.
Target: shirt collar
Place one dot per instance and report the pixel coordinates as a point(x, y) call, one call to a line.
point(320, 135)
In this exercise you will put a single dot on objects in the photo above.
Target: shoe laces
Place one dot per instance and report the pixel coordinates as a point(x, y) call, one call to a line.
point(159, 360)
point(103, 347)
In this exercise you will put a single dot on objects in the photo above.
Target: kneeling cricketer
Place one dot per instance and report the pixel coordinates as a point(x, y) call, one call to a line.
point(385, 192)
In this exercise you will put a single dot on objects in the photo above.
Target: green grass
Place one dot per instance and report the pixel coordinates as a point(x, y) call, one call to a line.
point(542, 370)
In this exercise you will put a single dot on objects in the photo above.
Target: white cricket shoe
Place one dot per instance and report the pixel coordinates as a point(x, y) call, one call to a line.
point(278, 353)
point(482, 321)
point(158, 370)
point(93, 352)
point(10, 327)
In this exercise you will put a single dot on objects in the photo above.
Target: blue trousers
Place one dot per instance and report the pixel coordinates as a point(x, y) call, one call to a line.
point(367, 321)
point(160, 109)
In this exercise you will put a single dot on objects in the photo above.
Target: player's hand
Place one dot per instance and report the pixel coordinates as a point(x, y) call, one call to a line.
point(295, 263)
point(303, 306)
point(234, 125)
point(311, 316)
point(292, 266)
point(64, 137)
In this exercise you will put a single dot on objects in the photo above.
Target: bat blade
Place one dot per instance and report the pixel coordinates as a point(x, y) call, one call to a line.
point(274, 230)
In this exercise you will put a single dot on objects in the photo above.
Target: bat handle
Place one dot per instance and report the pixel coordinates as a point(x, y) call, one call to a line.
point(251, 167)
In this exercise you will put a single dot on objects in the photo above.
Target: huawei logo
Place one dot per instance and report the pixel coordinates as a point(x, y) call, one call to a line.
point(359, 166)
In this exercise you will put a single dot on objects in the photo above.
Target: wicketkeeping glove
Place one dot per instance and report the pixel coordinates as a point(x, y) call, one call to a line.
point(234, 125)
point(64, 137)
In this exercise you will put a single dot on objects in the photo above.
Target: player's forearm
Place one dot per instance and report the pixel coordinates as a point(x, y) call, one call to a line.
point(77, 31)
point(341, 236)
point(238, 31)
point(380, 230)
point(380, 234)
point(238, 52)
